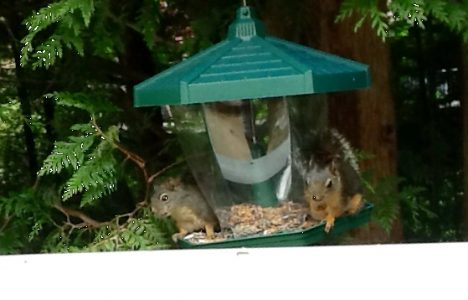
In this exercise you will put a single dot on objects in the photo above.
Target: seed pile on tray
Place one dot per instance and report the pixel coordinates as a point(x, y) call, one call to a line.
point(247, 219)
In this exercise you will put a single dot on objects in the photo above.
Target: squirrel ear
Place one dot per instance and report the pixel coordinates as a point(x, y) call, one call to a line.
point(173, 182)
point(310, 162)
point(333, 168)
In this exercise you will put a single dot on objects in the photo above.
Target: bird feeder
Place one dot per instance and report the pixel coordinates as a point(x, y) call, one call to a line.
point(234, 108)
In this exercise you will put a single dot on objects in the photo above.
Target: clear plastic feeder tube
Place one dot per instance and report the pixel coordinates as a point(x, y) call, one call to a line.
point(252, 145)
point(244, 151)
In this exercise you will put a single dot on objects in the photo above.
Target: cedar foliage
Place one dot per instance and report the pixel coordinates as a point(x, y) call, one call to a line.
point(81, 59)
point(406, 14)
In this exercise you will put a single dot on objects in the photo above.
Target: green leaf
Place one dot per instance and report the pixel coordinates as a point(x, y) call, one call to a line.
point(69, 154)
point(37, 227)
point(384, 195)
point(92, 103)
point(87, 9)
point(147, 22)
point(452, 13)
point(437, 9)
point(97, 176)
point(359, 23)
point(85, 129)
point(63, 17)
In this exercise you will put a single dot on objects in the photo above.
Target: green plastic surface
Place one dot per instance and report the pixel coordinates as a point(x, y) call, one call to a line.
point(311, 236)
point(250, 64)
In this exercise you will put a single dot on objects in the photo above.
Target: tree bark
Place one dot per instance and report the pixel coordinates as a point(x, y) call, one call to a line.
point(365, 117)
point(13, 27)
point(49, 111)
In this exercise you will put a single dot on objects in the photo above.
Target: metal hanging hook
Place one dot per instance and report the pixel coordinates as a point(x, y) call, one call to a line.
point(244, 2)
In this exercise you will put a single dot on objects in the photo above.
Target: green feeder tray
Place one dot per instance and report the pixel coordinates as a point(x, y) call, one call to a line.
point(312, 236)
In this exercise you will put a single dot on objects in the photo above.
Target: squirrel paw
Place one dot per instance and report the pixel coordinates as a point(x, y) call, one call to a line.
point(355, 204)
point(177, 236)
point(330, 221)
point(209, 231)
point(328, 227)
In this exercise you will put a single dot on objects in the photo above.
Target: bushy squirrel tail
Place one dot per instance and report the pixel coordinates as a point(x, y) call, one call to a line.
point(345, 150)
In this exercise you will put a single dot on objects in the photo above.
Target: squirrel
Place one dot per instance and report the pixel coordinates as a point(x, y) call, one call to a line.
point(186, 205)
point(332, 179)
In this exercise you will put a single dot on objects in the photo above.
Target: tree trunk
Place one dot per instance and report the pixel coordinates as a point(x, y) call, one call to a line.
point(464, 78)
point(13, 28)
point(365, 117)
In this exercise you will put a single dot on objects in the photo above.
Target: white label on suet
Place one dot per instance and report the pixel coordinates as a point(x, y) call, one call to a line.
point(255, 170)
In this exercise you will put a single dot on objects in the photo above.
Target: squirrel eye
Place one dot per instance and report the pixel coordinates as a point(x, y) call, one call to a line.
point(164, 197)
point(314, 197)
point(328, 183)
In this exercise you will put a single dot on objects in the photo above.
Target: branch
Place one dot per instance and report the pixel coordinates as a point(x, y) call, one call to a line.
point(5, 224)
point(140, 162)
point(78, 214)
point(151, 178)
point(138, 206)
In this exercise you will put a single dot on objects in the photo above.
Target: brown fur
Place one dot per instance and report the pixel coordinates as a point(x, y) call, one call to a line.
point(186, 205)
point(332, 192)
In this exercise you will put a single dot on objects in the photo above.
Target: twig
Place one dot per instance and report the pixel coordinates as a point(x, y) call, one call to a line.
point(78, 214)
point(5, 224)
point(151, 178)
point(139, 161)
point(138, 206)
point(115, 239)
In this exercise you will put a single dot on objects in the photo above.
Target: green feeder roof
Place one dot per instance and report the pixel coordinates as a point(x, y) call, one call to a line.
point(251, 64)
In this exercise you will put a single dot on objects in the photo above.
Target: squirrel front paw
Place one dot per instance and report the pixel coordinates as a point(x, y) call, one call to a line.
point(175, 237)
point(209, 228)
point(355, 204)
point(330, 221)
point(179, 235)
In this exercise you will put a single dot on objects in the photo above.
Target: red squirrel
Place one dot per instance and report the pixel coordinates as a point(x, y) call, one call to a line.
point(186, 205)
point(332, 181)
